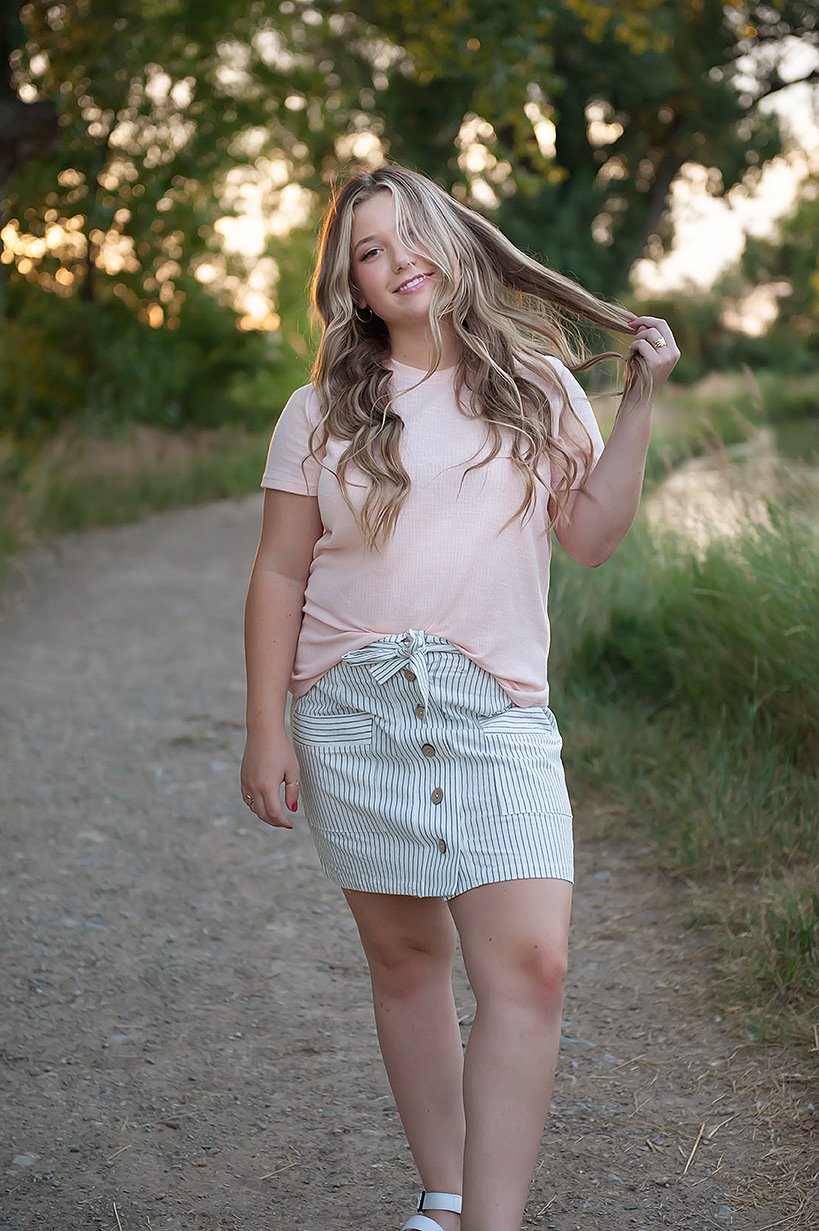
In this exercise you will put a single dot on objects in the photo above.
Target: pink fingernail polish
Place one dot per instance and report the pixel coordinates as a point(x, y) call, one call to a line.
point(293, 807)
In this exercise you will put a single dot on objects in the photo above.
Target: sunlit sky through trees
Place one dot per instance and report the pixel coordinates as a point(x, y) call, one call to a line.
point(260, 204)
point(709, 231)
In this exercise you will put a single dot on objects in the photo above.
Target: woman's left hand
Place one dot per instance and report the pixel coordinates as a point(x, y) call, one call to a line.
point(661, 360)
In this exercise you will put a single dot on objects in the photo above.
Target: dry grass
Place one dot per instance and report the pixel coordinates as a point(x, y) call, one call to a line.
point(76, 481)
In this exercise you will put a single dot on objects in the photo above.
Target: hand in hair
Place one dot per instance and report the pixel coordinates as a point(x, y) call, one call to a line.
point(661, 360)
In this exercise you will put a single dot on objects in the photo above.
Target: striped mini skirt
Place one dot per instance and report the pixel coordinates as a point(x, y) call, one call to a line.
point(419, 775)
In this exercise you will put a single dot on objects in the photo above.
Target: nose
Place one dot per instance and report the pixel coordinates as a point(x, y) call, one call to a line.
point(402, 259)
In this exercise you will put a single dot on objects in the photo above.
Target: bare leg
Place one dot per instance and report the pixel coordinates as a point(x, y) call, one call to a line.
point(514, 940)
point(409, 944)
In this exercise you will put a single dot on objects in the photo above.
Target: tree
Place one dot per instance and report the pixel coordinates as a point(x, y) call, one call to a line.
point(567, 122)
point(585, 113)
point(788, 263)
point(591, 110)
point(27, 129)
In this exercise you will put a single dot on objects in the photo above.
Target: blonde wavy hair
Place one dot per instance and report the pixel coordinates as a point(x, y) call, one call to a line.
point(506, 310)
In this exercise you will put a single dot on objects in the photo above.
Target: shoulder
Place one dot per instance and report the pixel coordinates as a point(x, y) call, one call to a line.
point(303, 404)
point(559, 375)
point(523, 365)
point(554, 376)
point(302, 395)
point(565, 393)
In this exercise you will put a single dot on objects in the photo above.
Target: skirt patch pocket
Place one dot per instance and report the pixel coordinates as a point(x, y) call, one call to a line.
point(522, 748)
point(520, 720)
point(327, 730)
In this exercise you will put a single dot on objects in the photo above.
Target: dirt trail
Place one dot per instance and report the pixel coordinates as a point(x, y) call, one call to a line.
point(187, 1036)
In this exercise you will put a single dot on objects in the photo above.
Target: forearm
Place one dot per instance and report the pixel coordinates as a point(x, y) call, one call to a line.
point(605, 508)
point(273, 615)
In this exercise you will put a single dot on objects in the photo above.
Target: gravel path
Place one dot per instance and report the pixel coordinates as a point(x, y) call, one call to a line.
point(188, 1040)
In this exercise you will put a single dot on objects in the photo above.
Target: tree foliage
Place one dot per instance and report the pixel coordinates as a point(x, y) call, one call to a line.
point(789, 261)
point(626, 95)
point(566, 122)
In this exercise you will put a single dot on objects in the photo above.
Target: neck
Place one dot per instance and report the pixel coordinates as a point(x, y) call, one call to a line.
point(407, 346)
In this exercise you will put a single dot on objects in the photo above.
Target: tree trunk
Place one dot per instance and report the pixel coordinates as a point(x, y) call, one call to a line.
point(27, 130)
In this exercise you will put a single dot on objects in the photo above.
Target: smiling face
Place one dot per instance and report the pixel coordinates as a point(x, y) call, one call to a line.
point(392, 278)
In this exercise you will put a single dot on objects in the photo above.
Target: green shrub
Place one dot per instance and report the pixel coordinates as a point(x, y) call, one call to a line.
point(795, 399)
point(97, 366)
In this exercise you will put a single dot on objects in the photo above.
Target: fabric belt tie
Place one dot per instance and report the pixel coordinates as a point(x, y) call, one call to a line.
point(385, 658)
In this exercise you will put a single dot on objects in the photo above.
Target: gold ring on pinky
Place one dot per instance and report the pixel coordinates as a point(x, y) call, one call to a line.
point(249, 799)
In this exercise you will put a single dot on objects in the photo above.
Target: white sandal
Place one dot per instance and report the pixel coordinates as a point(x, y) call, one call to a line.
point(432, 1201)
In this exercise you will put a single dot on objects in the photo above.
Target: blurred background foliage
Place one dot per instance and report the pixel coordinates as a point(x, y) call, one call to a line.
point(137, 137)
point(163, 167)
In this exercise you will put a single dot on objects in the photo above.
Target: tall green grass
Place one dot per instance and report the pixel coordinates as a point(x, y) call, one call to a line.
point(729, 632)
point(688, 679)
point(727, 408)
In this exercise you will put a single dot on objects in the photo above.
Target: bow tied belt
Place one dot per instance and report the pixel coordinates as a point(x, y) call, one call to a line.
point(400, 651)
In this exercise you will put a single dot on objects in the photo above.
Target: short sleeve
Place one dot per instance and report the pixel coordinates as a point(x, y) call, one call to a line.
point(289, 446)
point(569, 434)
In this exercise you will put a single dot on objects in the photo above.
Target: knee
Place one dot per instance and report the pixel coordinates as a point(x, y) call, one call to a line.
point(399, 971)
point(533, 979)
point(541, 979)
point(549, 978)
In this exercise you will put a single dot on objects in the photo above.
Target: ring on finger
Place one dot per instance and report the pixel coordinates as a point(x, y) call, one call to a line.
point(659, 342)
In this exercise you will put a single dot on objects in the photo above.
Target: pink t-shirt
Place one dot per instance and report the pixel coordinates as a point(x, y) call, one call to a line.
point(444, 570)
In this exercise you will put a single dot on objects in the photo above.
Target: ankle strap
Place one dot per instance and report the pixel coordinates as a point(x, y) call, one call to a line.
point(420, 1222)
point(439, 1201)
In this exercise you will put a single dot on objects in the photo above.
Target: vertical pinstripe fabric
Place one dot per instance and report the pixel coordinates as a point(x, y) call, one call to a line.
point(420, 776)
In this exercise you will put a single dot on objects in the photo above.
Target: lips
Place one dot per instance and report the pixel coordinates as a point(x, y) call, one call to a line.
point(420, 279)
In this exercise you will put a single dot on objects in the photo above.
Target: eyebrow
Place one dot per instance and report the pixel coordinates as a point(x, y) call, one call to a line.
point(365, 240)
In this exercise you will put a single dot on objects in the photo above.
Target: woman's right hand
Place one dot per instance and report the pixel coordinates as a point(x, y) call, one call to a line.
point(269, 760)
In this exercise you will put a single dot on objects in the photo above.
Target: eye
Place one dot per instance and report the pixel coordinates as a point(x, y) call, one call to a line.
point(369, 252)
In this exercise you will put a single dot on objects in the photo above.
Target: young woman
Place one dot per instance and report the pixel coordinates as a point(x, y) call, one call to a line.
point(399, 593)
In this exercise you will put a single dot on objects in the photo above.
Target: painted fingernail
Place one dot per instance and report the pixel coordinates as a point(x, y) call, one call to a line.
point(294, 806)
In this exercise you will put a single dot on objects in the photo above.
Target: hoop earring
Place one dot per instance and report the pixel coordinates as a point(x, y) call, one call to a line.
point(365, 320)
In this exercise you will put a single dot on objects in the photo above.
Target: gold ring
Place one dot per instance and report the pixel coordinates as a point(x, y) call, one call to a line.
point(657, 343)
